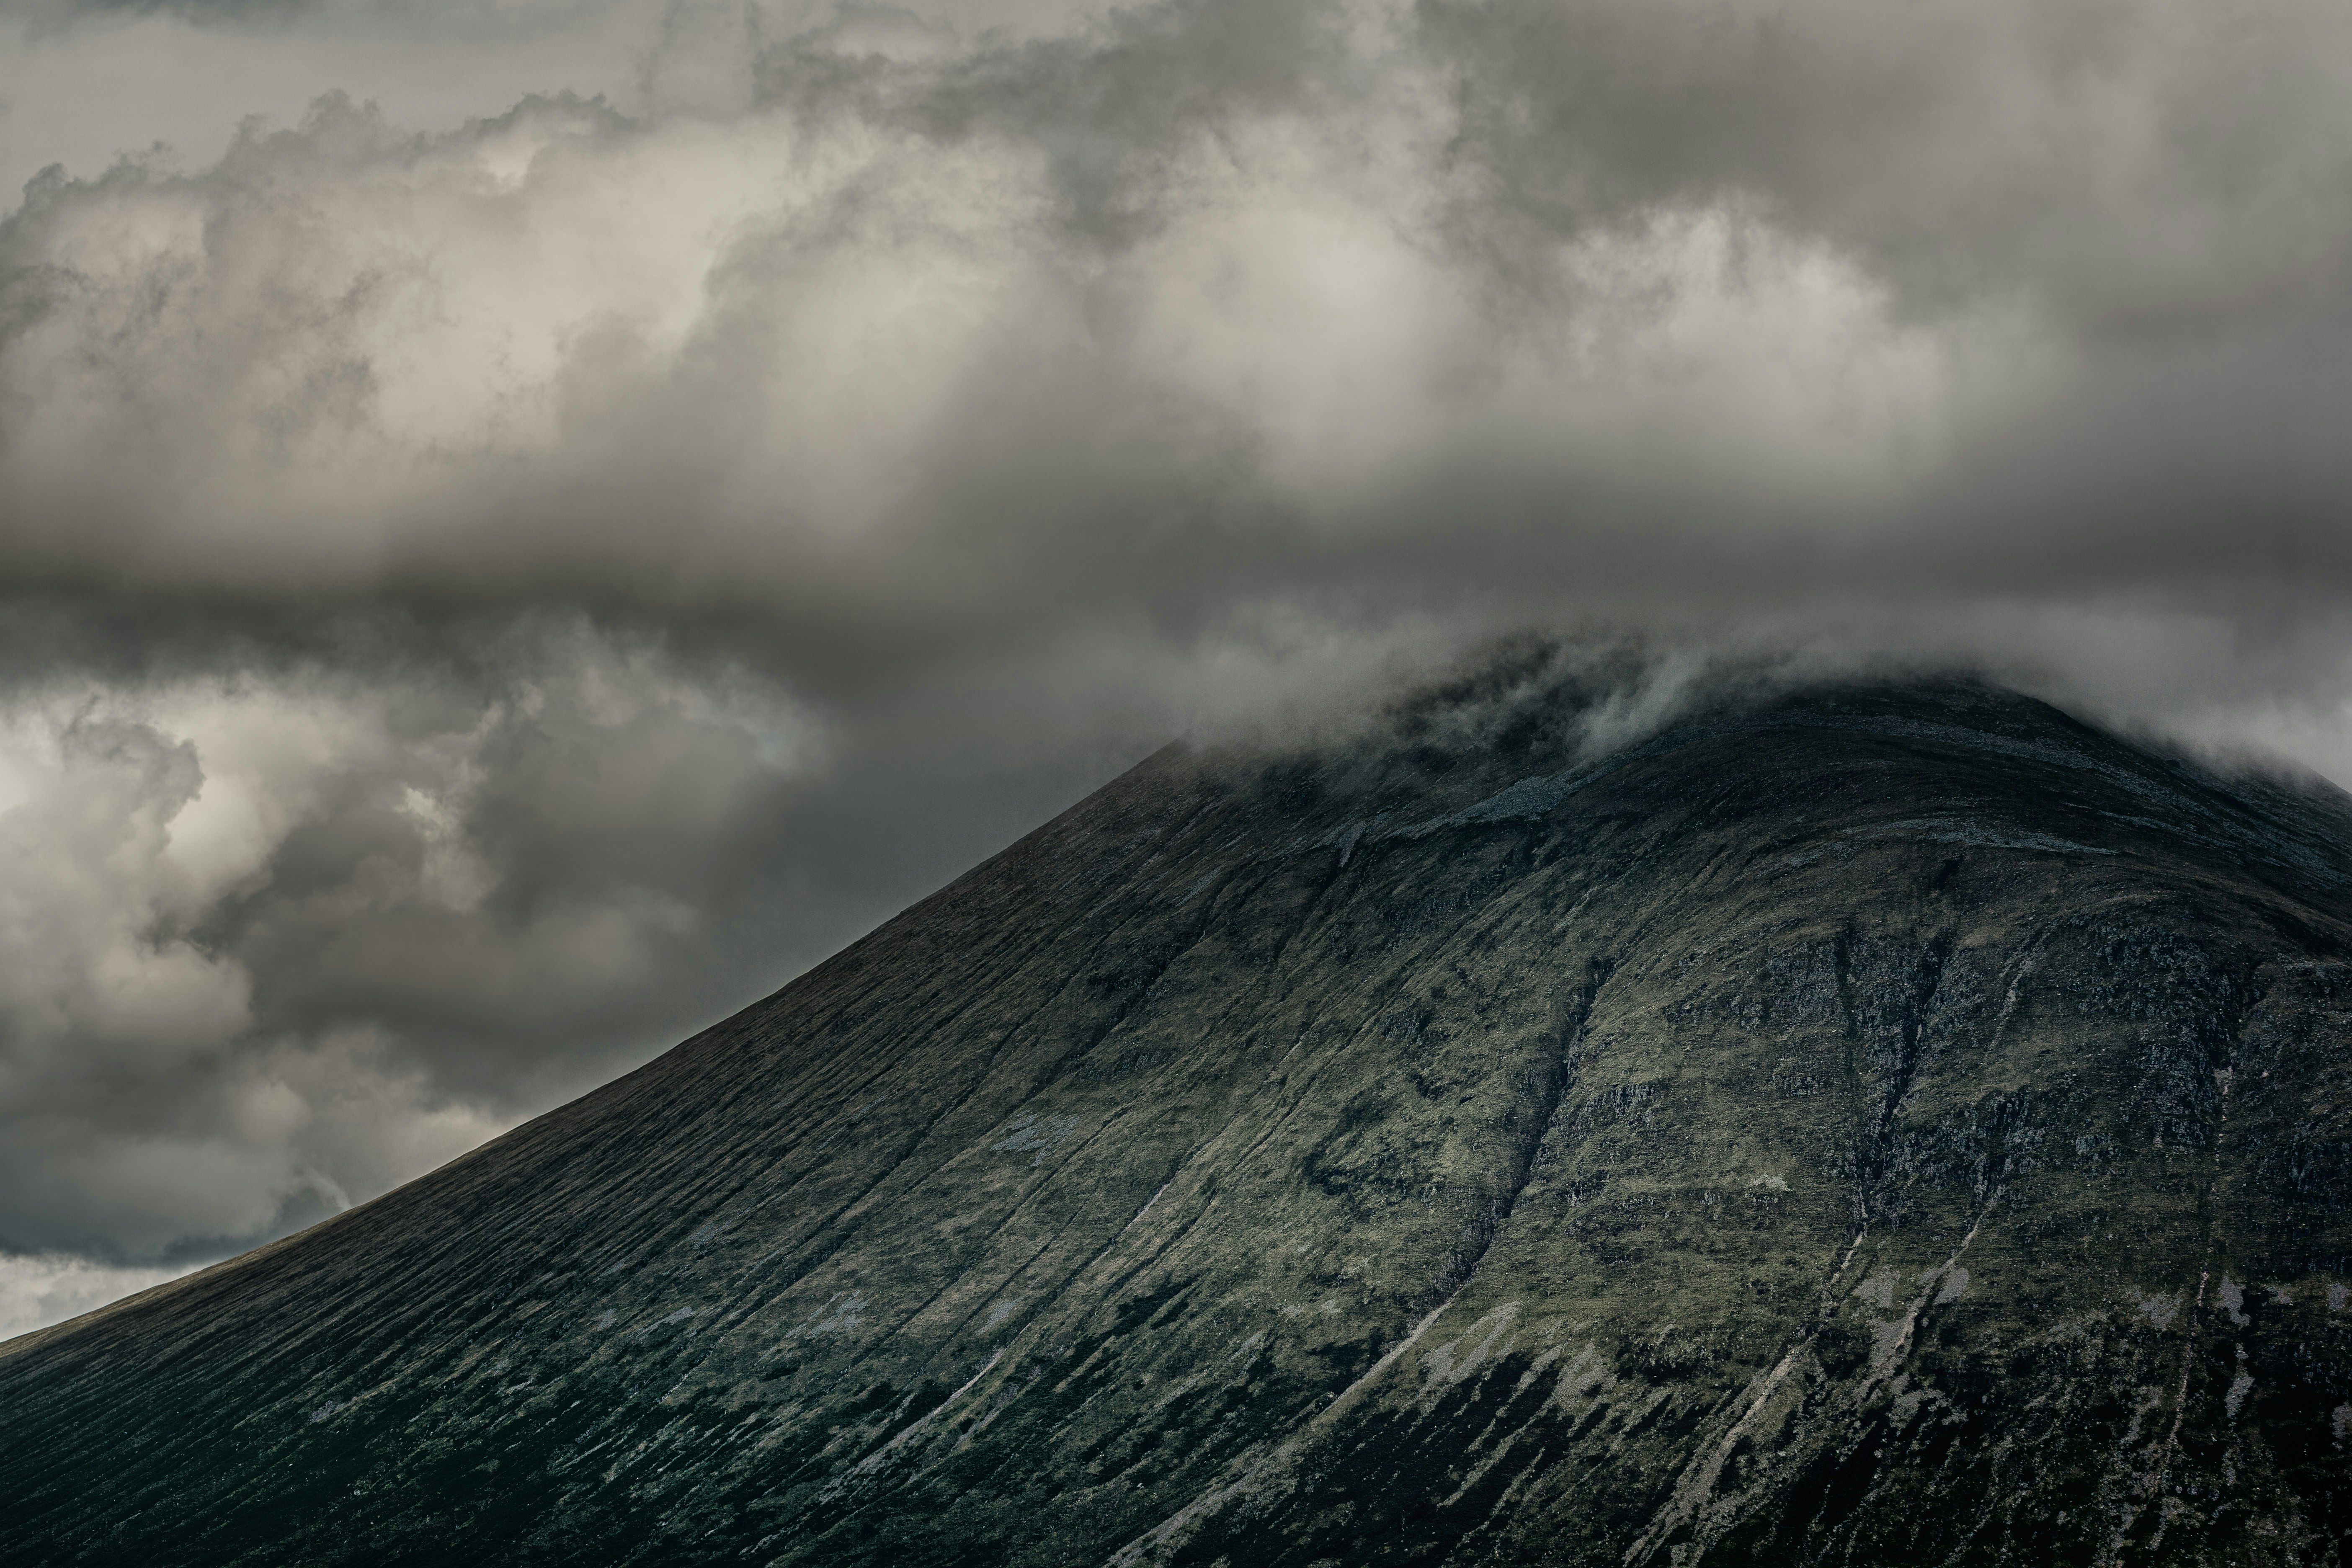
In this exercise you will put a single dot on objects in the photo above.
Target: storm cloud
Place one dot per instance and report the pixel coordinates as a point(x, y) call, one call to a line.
point(503, 562)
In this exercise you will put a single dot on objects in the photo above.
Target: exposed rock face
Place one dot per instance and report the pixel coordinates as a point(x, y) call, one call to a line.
point(1890, 1126)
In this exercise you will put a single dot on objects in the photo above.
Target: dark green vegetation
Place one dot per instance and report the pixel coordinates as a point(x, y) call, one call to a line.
point(1879, 1126)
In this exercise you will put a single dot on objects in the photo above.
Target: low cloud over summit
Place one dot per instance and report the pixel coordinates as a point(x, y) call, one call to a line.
point(567, 515)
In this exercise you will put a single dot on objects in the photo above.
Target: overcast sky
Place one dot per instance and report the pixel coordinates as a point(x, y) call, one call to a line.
point(524, 525)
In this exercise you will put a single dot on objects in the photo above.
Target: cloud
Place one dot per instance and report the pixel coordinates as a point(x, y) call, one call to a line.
point(2131, 168)
point(1650, 299)
point(277, 938)
point(37, 1291)
point(887, 346)
point(490, 579)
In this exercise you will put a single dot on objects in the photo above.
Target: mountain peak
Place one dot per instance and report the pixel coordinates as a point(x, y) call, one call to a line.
point(1878, 1121)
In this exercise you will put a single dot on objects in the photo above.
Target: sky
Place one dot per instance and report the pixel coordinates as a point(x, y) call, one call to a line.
point(523, 525)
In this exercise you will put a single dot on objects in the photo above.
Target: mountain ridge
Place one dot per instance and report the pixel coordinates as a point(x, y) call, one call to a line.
point(1440, 1146)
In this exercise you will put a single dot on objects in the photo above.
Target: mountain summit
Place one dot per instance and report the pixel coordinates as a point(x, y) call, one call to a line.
point(1878, 1124)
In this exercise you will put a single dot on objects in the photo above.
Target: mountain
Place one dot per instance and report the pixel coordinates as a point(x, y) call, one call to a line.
point(1877, 1124)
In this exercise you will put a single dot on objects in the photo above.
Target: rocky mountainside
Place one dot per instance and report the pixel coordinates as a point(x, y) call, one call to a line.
point(1876, 1125)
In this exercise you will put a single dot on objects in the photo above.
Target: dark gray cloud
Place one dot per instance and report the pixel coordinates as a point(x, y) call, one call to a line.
point(485, 595)
point(279, 940)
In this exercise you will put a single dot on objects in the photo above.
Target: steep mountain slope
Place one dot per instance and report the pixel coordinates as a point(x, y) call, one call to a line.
point(1881, 1125)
